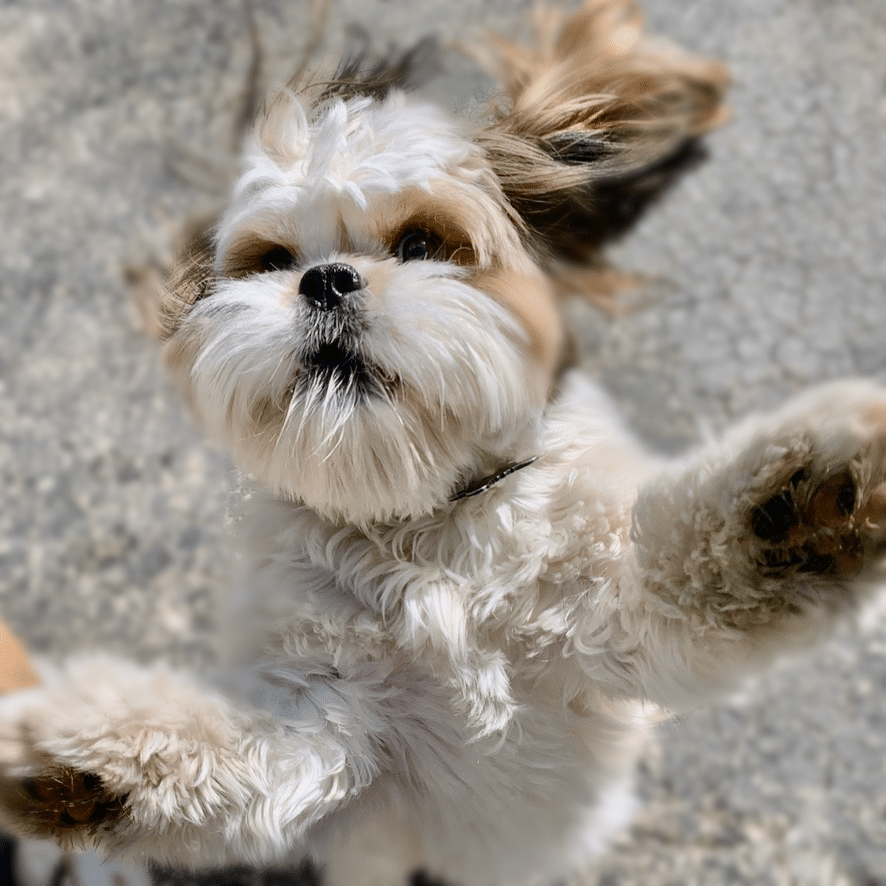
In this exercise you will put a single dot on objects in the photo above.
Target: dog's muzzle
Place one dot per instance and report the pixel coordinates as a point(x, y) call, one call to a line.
point(332, 330)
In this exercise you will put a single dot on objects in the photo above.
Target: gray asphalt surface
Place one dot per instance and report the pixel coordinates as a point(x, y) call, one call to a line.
point(769, 270)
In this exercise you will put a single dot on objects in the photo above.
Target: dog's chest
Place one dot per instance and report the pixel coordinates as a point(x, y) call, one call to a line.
point(497, 578)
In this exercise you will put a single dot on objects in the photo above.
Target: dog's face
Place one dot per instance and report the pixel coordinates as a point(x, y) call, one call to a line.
point(375, 333)
point(366, 328)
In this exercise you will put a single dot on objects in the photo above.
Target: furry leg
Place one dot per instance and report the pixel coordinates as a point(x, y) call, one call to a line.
point(753, 547)
point(148, 762)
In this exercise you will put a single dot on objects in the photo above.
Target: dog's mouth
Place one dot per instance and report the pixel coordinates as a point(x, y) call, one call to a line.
point(333, 360)
point(330, 354)
point(337, 368)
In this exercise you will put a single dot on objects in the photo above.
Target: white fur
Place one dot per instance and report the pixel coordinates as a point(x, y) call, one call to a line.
point(315, 172)
point(457, 685)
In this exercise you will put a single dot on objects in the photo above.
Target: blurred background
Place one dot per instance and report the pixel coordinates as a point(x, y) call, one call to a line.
point(766, 274)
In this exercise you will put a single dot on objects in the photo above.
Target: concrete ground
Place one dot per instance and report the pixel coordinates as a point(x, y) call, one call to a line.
point(770, 275)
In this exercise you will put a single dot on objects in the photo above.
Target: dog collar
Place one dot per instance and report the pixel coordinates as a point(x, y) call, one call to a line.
point(484, 483)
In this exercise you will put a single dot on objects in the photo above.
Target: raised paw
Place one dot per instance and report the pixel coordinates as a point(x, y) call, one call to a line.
point(766, 540)
point(61, 803)
point(827, 523)
point(106, 753)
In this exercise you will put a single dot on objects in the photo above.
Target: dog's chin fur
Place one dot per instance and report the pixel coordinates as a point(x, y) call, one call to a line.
point(434, 373)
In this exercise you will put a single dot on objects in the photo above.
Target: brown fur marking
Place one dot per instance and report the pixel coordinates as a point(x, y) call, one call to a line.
point(593, 100)
point(531, 299)
point(62, 803)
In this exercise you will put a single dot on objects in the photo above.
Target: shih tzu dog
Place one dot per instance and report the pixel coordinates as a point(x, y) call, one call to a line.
point(470, 589)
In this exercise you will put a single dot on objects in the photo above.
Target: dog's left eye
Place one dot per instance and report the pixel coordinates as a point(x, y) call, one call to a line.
point(417, 246)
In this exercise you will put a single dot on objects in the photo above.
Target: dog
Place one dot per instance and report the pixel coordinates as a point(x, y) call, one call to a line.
point(469, 590)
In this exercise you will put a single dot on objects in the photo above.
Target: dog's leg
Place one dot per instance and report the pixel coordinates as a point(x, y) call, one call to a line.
point(754, 546)
point(150, 763)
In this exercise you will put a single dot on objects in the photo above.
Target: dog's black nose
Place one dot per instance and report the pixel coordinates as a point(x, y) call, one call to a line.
point(325, 286)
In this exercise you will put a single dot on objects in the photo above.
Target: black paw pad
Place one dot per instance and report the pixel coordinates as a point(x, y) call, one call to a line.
point(773, 520)
point(846, 498)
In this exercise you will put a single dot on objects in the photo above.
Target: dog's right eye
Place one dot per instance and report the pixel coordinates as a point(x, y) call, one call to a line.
point(278, 258)
point(249, 256)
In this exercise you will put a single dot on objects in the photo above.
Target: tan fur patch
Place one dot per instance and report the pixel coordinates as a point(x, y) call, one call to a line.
point(15, 668)
point(451, 243)
point(247, 254)
point(531, 299)
point(473, 220)
point(595, 71)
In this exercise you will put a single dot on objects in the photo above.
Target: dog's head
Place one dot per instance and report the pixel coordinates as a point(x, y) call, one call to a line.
point(376, 331)
point(368, 327)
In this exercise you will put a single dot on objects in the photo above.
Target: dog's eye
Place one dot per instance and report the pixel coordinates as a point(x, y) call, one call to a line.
point(279, 258)
point(417, 245)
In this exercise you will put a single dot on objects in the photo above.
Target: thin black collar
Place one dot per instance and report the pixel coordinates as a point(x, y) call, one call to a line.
point(484, 483)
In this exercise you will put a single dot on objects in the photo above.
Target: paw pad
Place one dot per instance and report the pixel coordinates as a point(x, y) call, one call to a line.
point(773, 519)
point(823, 529)
point(62, 802)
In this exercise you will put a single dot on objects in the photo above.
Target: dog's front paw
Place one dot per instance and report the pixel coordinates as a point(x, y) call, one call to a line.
point(107, 753)
point(821, 508)
point(60, 803)
point(43, 792)
point(759, 544)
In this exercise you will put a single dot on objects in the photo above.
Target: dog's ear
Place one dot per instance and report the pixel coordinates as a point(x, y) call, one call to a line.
point(166, 292)
point(599, 120)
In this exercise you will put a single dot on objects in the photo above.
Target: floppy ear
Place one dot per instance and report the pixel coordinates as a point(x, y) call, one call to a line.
point(166, 292)
point(600, 120)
